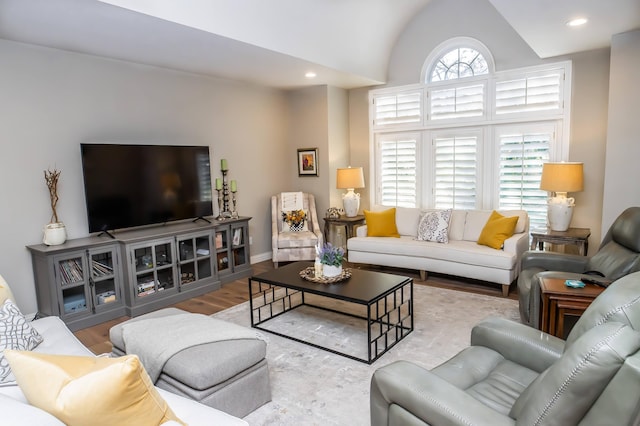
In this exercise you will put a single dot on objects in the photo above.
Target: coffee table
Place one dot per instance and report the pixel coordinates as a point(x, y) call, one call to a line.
point(386, 298)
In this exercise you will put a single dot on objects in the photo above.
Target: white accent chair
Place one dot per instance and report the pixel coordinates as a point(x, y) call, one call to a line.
point(294, 246)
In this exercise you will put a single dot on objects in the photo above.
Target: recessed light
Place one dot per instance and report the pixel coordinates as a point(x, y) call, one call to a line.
point(310, 74)
point(577, 22)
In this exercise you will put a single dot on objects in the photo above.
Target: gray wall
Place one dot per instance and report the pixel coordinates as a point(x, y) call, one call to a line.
point(623, 145)
point(442, 20)
point(53, 100)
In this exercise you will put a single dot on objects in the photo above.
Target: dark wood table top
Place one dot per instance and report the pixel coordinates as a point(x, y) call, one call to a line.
point(363, 287)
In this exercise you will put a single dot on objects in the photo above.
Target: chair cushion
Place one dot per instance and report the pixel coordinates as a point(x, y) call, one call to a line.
point(566, 390)
point(297, 239)
point(497, 229)
point(381, 224)
point(90, 390)
point(487, 376)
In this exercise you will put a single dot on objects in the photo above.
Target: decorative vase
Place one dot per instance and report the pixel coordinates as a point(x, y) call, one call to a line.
point(54, 234)
point(331, 271)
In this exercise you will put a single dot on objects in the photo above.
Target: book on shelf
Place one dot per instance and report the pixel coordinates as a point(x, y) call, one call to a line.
point(202, 252)
point(100, 269)
point(71, 270)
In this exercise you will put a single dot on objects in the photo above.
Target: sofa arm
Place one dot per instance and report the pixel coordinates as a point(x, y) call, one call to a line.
point(518, 342)
point(552, 261)
point(427, 397)
point(361, 231)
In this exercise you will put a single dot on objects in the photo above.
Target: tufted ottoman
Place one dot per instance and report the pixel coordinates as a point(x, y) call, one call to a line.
point(229, 375)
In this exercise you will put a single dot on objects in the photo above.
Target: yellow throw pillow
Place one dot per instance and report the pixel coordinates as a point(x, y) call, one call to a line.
point(5, 291)
point(381, 224)
point(81, 390)
point(497, 229)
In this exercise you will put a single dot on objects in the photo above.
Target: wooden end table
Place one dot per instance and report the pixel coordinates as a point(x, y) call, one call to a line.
point(560, 302)
point(348, 222)
point(575, 236)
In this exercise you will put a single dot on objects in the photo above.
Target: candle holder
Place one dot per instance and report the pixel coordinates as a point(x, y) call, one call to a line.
point(220, 217)
point(234, 213)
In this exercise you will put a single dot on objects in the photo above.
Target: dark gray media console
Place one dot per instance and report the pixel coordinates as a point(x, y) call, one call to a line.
point(91, 280)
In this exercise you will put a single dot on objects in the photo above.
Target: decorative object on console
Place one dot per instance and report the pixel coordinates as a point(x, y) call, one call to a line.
point(308, 162)
point(224, 198)
point(334, 212)
point(561, 178)
point(350, 179)
point(55, 232)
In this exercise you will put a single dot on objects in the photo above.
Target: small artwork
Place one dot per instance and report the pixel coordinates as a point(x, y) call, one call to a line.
point(308, 162)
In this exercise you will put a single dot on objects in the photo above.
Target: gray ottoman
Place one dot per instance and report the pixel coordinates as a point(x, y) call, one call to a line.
point(230, 375)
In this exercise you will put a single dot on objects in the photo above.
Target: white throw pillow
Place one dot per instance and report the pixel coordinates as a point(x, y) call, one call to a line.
point(434, 226)
point(15, 333)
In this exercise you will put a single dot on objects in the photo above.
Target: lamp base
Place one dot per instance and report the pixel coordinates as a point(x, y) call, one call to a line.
point(350, 203)
point(559, 216)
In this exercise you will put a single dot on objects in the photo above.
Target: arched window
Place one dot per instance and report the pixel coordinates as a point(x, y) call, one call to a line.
point(460, 57)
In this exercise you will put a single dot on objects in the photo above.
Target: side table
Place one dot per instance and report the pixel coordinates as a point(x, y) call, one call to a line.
point(560, 302)
point(348, 222)
point(576, 236)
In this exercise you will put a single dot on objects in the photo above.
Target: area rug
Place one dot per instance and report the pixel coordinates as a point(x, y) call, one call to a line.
point(311, 386)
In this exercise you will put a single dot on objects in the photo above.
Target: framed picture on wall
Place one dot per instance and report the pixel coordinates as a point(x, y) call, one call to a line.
point(308, 162)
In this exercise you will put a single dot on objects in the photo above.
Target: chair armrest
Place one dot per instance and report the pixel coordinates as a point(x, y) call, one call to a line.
point(517, 342)
point(552, 261)
point(427, 397)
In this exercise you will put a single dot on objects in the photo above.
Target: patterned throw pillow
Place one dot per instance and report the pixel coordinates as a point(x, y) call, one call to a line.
point(434, 226)
point(295, 221)
point(15, 333)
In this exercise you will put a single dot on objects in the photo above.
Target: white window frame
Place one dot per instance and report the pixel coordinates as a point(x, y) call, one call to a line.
point(486, 125)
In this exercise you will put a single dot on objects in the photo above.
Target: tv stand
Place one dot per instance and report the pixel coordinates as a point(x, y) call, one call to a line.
point(91, 280)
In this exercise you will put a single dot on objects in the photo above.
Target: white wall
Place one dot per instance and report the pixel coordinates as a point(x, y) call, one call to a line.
point(441, 20)
point(623, 147)
point(53, 100)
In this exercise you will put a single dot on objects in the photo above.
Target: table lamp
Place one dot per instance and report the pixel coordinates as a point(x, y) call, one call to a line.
point(349, 179)
point(560, 178)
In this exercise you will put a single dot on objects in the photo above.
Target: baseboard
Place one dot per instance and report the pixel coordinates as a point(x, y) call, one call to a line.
point(261, 257)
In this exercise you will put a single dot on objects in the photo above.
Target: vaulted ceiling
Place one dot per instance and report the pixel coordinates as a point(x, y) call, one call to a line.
point(346, 43)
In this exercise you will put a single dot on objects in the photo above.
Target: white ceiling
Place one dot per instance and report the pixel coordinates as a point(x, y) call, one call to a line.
point(347, 43)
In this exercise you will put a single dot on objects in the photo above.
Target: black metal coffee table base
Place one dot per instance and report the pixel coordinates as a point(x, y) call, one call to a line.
point(387, 300)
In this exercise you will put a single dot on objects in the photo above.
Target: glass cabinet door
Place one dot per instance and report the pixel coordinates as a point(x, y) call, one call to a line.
point(72, 283)
point(103, 278)
point(194, 254)
point(154, 268)
point(222, 250)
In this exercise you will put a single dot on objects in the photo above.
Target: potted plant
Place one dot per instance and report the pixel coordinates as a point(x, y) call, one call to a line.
point(331, 259)
point(55, 232)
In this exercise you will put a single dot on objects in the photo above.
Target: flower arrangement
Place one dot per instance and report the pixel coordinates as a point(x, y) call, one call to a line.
point(330, 255)
point(295, 218)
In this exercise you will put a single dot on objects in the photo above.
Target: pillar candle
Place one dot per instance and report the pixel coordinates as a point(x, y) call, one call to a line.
point(234, 187)
point(223, 164)
point(218, 184)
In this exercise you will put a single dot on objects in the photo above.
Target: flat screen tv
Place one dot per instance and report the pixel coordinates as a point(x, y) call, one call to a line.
point(134, 185)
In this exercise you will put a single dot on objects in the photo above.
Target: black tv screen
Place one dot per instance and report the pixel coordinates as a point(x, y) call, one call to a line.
point(133, 185)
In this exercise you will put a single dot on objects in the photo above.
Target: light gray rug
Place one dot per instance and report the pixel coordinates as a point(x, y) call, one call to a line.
point(315, 387)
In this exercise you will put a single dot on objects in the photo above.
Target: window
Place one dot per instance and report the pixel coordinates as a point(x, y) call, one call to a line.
point(471, 137)
point(397, 165)
point(455, 172)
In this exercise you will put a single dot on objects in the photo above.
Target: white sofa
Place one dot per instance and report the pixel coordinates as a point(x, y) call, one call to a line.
point(58, 339)
point(461, 256)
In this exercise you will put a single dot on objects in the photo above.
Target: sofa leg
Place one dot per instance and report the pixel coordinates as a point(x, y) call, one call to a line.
point(423, 275)
point(505, 290)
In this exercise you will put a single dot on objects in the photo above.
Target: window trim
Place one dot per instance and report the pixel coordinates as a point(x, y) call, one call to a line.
point(449, 45)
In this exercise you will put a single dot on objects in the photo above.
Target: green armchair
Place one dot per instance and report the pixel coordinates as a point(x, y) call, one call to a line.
point(618, 255)
point(513, 374)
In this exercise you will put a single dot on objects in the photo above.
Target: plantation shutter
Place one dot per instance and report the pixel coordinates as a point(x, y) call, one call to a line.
point(457, 102)
point(397, 184)
point(456, 165)
point(521, 158)
point(530, 93)
point(400, 108)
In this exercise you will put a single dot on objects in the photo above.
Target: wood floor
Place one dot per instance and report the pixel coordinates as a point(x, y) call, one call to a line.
point(97, 338)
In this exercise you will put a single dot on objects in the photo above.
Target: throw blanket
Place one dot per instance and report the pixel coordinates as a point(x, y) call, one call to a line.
point(156, 340)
